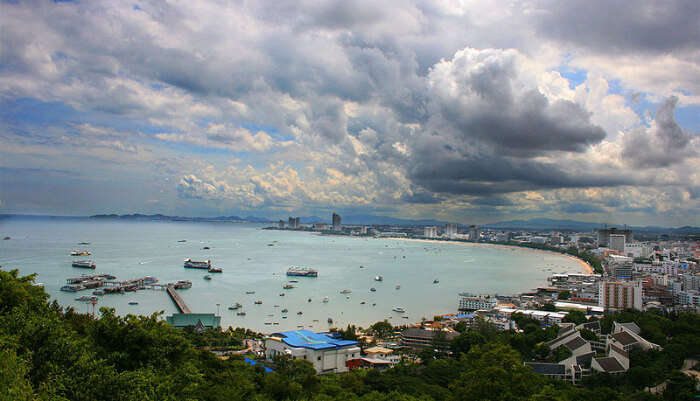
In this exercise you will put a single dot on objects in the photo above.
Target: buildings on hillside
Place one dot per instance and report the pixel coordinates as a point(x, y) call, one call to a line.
point(617, 295)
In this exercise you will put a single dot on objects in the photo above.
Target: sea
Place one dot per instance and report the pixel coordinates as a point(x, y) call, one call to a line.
point(431, 275)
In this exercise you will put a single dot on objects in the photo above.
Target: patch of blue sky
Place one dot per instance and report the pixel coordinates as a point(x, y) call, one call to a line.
point(689, 118)
point(575, 76)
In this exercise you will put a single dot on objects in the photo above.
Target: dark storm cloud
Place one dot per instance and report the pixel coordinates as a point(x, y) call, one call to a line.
point(622, 26)
point(492, 201)
point(662, 145)
point(422, 197)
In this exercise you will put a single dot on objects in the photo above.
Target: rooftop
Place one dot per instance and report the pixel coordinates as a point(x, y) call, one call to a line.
point(624, 338)
point(610, 364)
point(310, 340)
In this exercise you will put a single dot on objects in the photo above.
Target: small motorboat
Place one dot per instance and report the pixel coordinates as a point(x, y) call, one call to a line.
point(363, 302)
point(398, 287)
point(346, 291)
point(275, 306)
point(207, 277)
point(258, 302)
point(133, 303)
point(300, 313)
point(379, 278)
point(281, 294)
point(98, 292)
point(373, 289)
point(309, 300)
point(235, 306)
point(285, 310)
point(182, 240)
point(80, 253)
point(215, 270)
point(325, 300)
point(399, 309)
point(330, 320)
point(287, 286)
point(250, 292)
point(206, 247)
point(240, 313)
point(293, 281)
point(436, 281)
point(362, 267)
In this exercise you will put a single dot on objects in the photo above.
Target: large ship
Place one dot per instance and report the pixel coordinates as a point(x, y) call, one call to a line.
point(87, 264)
point(193, 264)
point(302, 271)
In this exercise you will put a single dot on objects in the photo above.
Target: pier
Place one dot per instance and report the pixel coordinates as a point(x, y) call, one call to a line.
point(177, 299)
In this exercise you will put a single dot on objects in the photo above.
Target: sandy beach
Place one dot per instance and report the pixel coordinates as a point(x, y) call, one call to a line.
point(588, 269)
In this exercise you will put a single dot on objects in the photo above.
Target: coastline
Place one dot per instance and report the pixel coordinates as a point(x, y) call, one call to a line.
point(587, 269)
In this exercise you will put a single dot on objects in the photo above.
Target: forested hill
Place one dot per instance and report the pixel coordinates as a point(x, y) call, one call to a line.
point(48, 352)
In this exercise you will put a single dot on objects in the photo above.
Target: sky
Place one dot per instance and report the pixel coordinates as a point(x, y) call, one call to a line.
point(465, 111)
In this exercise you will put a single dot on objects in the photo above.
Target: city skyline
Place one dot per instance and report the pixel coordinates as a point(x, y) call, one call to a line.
point(422, 110)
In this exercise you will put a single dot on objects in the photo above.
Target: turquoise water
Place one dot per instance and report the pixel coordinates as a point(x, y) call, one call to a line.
point(136, 249)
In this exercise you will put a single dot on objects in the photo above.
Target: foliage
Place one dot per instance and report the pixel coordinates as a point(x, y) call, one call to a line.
point(381, 329)
point(564, 295)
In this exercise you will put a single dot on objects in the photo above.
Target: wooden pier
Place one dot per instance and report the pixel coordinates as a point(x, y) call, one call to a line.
point(177, 299)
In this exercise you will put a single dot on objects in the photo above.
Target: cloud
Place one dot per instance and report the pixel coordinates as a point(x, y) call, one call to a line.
point(663, 144)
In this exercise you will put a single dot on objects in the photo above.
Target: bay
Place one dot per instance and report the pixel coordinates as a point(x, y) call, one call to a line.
point(254, 259)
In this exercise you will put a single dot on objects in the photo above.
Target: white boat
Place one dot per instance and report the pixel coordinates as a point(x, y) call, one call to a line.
point(379, 278)
point(325, 300)
point(80, 253)
point(399, 309)
point(346, 291)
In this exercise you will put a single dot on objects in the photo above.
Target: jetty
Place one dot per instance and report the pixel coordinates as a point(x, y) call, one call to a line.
point(177, 299)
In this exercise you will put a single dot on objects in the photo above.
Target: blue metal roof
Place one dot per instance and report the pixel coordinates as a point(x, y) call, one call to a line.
point(464, 315)
point(252, 362)
point(309, 339)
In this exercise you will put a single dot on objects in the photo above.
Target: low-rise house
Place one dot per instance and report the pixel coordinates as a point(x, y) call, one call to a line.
point(328, 354)
point(418, 337)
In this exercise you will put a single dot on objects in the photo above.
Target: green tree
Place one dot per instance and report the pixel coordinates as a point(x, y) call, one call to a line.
point(381, 329)
point(575, 316)
point(563, 295)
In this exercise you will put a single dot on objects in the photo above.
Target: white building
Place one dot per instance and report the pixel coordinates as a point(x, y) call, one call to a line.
point(477, 303)
point(430, 232)
point(450, 230)
point(637, 250)
point(326, 353)
point(620, 295)
point(617, 242)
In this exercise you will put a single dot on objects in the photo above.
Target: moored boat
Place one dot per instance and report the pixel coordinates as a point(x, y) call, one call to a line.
point(379, 278)
point(302, 272)
point(346, 291)
point(287, 286)
point(399, 309)
point(193, 264)
point(235, 306)
point(86, 264)
point(207, 277)
point(325, 300)
point(80, 253)
point(215, 270)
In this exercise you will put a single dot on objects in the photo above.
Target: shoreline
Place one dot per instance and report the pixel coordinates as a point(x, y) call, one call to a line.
point(587, 269)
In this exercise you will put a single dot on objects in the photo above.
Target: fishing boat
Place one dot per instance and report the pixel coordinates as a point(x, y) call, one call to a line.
point(302, 272)
point(399, 309)
point(235, 306)
point(80, 253)
point(379, 278)
point(182, 284)
point(85, 264)
point(215, 270)
point(98, 292)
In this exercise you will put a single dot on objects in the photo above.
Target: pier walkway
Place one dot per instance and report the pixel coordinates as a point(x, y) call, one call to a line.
point(179, 302)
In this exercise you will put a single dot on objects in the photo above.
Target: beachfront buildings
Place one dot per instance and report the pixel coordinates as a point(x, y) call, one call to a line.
point(616, 295)
point(336, 222)
point(430, 232)
point(450, 230)
point(472, 303)
point(327, 353)
point(474, 234)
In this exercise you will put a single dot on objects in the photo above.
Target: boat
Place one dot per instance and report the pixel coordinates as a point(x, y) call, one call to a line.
point(98, 292)
point(373, 289)
point(86, 298)
point(183, 284)
point(79, 243)
point(404, 317)
point(281, 294)
point(86, 264)
point(330, 321)
point(193, 264)
point(207, 277)
point(436, 281)
point(346, 291)
point(293, 281)
point(302, 272)
point(379, 278)
point(215, 270)
point(325, 300)
point(240, 313)
point(300, 313)
point(235, 306)
point(398, 287)
point(258, 302)
point(6, 238)
point(285, 310)
point(399, 309)
point(363, 302)
point(309, 300)
point(250, 292)
point(133, 303)
point(182, 240)
point(206, 247)
point(287, 286)
point(362, 267)
point(80, 253)
point(268, 323)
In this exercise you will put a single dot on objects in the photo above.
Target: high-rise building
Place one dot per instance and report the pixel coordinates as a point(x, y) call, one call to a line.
point(290, 222)
point(430, 232)
point(604, 235)
point(336, 222)
point(281, 223)
point(297, 222)
point(617, 242)
point(450, 229)
point(474, 233)
point(620, 295)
